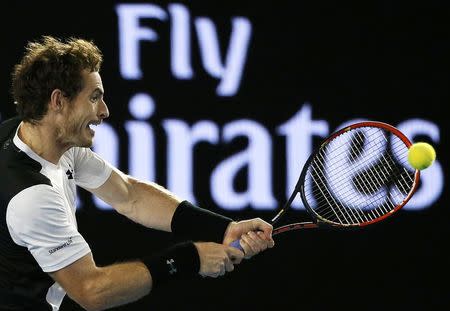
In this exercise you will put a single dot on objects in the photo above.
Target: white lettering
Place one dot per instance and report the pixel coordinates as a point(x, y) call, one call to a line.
point(180, 144)
point(180, 42)
point(257, 157)
point(131, 33)
point(141, 146)
point(230, 73)
point(299, 132)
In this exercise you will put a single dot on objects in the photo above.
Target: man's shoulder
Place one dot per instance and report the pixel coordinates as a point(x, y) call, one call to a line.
point(19, 171)
point(16, 178)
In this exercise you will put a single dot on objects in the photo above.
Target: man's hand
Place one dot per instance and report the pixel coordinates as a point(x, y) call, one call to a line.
point(255, 235)
point(216, 259)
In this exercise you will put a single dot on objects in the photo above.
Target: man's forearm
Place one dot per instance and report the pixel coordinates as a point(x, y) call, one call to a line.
point(151, 205)
point(143, 202)
point(99, 288)
point(116, 285)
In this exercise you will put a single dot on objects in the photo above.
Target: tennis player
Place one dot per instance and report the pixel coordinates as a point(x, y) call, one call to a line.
point(45, 153)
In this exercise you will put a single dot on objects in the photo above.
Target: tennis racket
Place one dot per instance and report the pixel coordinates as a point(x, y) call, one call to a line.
point(358, 176)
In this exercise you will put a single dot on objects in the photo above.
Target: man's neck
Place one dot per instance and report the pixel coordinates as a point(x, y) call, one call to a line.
point(42, 140)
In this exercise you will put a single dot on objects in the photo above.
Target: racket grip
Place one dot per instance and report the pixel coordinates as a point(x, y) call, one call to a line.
point(237, 244)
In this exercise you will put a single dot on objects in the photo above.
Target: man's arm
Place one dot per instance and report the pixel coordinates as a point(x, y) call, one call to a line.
point(154, 206)
point(99, 288)
point(96, 288)
point(145, 203)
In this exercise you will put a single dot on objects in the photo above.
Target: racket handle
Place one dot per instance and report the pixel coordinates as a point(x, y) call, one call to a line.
point(237, 244)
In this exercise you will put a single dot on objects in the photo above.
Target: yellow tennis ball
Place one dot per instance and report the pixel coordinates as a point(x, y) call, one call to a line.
point(421, 155)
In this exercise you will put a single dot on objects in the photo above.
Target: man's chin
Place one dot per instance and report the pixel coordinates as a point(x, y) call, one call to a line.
point(86, 143)
point(89, 144)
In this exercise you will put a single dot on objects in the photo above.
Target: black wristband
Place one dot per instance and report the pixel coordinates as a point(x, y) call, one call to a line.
point(180, 261)
point(199, 224)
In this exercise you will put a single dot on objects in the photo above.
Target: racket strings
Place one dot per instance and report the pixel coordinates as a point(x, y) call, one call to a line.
point(379, 178)
point(350, 216)
point(358, 176)
point(331, 204)
point(372, 179)
point(357, 215)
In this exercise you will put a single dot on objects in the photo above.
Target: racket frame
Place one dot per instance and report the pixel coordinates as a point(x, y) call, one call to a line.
point(299, 188)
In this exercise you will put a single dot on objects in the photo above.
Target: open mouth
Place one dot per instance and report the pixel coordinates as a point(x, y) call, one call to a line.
point(91, 125)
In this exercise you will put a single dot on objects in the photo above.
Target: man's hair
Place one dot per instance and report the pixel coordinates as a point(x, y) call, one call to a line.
point(50, 64)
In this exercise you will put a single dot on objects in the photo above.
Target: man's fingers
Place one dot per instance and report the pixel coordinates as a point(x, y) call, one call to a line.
point(270, 242)
point(249, 243)
point(235, 255)
point(229, 265)
point(255, 242)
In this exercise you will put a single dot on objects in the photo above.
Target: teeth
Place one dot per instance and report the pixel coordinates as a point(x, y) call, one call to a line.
point(90, 124)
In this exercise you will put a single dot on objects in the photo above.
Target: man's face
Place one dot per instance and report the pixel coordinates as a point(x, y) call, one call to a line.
point(85, 112)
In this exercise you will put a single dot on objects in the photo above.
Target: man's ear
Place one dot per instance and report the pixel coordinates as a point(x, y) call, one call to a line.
point(57, 100)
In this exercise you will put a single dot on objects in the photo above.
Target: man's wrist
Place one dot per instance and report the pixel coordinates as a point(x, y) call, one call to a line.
point(180, 261)
point(199, 224)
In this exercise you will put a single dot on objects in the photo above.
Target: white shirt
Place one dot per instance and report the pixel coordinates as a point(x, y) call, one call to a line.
point(42, 217)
